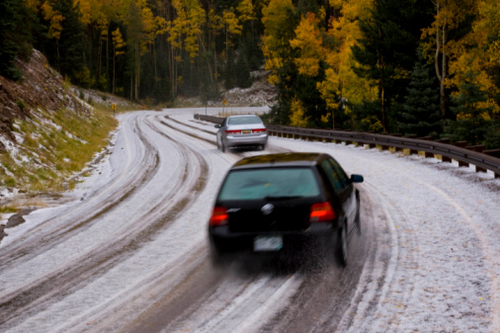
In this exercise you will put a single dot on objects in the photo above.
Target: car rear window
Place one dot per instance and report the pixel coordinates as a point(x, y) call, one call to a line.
point(244, 120)
point(271, 183)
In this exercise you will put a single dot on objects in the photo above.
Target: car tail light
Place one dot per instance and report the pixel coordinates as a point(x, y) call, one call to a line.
point(322, 212)
point(233, 132)
point(219, 216)
point(259, 130)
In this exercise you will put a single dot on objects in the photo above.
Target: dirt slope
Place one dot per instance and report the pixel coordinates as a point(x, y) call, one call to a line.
point(42, 87)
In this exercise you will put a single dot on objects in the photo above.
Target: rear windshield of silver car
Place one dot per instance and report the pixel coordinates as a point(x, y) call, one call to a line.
point(244, 120)
point(257, 184)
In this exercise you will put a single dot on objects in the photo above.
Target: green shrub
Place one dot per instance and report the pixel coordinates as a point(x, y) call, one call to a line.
point(20, 103)
point(10, 182)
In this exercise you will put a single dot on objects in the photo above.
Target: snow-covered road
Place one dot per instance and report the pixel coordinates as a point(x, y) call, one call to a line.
point(130, 253)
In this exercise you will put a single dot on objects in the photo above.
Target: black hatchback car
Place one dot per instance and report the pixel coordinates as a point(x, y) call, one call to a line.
point(285, 202)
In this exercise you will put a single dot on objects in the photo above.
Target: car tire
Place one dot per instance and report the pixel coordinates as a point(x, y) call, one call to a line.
point(357, 220)
point(342, 246)
point(222, 147)
point(218, 144)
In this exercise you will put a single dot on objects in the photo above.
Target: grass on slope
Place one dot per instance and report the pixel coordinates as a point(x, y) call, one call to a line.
point(53, 146)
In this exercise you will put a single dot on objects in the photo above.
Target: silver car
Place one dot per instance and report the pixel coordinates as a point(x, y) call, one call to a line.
point(241, 131)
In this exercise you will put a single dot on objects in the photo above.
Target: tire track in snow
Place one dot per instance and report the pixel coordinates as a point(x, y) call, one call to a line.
point(392, 282)
point(95, 263)
point(43, 236)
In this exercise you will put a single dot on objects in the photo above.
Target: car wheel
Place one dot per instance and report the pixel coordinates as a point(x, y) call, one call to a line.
point(222, 147)
point(358, 220)
point(218, 144)
point(342, 246)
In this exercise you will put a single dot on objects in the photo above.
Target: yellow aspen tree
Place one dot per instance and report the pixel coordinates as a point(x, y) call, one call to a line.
point(231, 26)
point(118, 45)
point(297, 114)
point(153, 26)
point(308, 40)
point(213, 26)
point(102, 28)
point(196, 19)
point(276, 19)
point(479, 54)
point(55, 18)
point(245, 11)
point(183, 33)
point(449, 15)
point(341, 83)
point(86, 8)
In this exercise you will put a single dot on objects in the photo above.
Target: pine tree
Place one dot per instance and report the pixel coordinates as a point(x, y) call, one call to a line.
point(471, 124)
point(13, 36)
point(69, 57)
point(242, 71)
point(421, 110)
point(229, 71)
point(386, 50)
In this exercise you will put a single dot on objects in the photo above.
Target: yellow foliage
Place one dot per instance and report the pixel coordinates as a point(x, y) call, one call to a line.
point(308, 40)
point(85, 7)
point(32, 5)
point(102, 26)
point(330, 88)
point(55, 18)
point(185, 30)
point(340, 80)
point(275, 18)
point(231, 23)
point(337, 4)
point(275, 15)
point(325, 118)
point(474, 52)
point(118, 42)
point(297, 115)
point(494, 53)
point(373, 123)
point(246, 11)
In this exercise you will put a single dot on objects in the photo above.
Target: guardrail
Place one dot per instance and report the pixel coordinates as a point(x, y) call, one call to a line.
point(476, 155)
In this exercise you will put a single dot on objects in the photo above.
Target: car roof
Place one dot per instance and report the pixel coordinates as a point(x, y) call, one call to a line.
point(243, 115)
point(279, 160)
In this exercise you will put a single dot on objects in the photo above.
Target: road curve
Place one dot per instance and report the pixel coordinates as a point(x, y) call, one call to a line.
point(130, 254)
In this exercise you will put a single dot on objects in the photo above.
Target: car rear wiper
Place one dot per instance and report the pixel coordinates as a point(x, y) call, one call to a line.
point(282, 198)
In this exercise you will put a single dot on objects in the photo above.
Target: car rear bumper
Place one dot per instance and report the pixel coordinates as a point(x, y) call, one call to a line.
point(293, 241)
point(251, 140)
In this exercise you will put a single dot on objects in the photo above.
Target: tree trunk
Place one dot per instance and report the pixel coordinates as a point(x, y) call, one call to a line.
point(382, 82)
point(137, 70)
point(441, 74)
point(114, 69)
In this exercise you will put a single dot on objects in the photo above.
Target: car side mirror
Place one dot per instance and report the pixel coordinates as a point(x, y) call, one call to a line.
point(217, 126)
point(356, 179)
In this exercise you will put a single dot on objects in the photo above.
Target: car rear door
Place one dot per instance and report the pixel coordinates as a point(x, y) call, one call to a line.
point(343, 189)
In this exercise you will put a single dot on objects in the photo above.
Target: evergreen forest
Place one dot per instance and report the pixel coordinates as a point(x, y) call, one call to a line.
point(427, 68)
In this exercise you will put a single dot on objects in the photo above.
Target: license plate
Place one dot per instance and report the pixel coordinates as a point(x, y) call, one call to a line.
point(268, 243)
point(246, 131)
